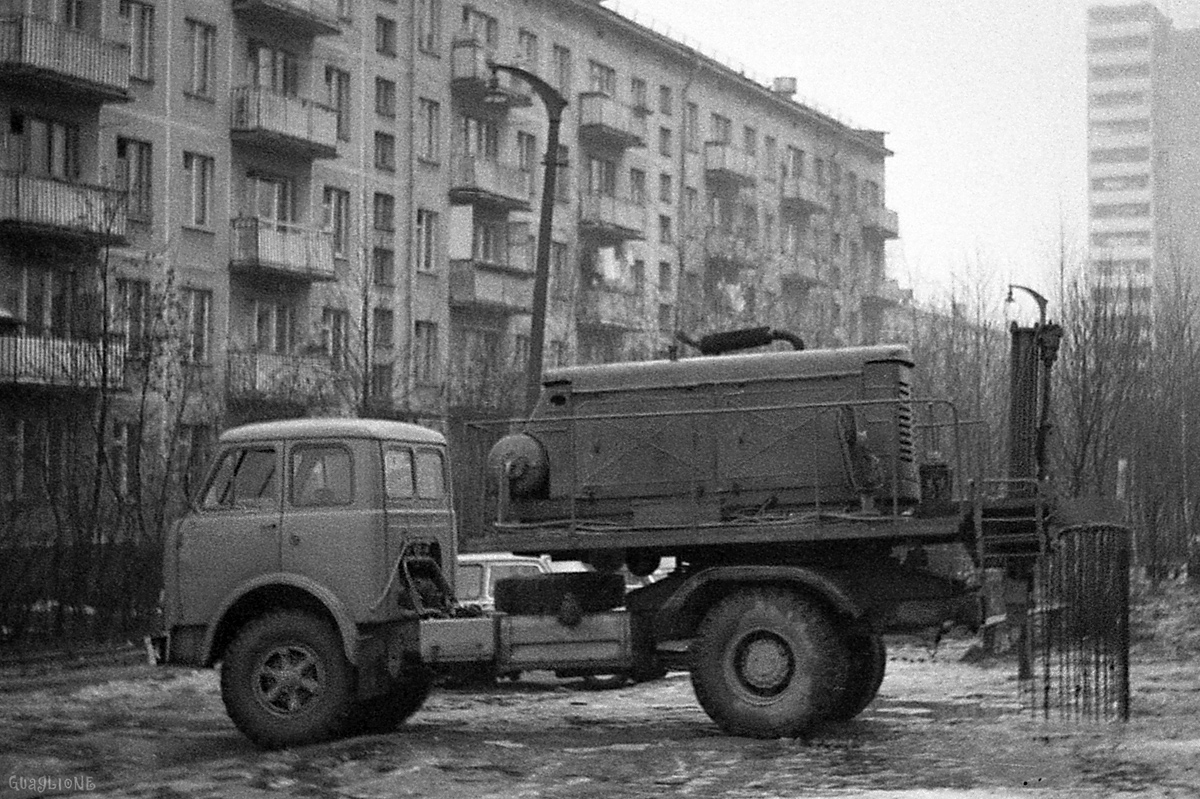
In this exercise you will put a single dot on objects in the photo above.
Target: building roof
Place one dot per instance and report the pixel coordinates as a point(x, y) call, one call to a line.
point(327, 427)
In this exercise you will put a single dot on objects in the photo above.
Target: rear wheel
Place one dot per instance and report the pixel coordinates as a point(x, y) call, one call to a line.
point(768, 664)
point(867, 661)
point(286, 681)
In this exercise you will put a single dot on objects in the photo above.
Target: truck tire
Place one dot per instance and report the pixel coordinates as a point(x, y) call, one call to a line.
point(382, 714)
point(286, 681)
point(544, 594)
point(768, 664)
point(866, 663)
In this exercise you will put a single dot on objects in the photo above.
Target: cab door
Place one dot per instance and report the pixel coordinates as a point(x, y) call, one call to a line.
point(234, 533)
point(331, 532)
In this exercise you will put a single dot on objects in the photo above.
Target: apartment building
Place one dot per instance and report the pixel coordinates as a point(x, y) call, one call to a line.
point(225, 210)
point(1143, 155)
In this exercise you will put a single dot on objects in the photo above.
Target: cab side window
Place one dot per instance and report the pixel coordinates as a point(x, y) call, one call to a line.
point(321, 476)
point(431, 475)
point(245, 478)
point(398, 479)
point(414, 474)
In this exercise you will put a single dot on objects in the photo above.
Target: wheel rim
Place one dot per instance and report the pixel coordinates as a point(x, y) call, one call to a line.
point(288, 679)
point(764, 663)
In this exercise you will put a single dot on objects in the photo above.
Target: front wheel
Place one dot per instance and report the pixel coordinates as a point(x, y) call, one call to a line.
point(768, 664)
point(286, 681)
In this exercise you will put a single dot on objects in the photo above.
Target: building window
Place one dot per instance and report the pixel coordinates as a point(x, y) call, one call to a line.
point(44, 147)
point(381, 381)
point(275, 327)
point(664, 188)
point(665, 314)
point(484, 27)
point(429, 130)
point(1108, 99)
point(769, 154)
point(134, 170)
point(479, 137)
point(527, 49)
point(558, 353)
point(135, 316)
point(198, 172)
point(1120, 155)
point(429, 26)
point(561, 70)
point(691, 126)
point(425, 352)
point(665, 235)
point(750, 140)
point(383, 322)
point(337, 97)
point(427, 240)
point(385, 151)
point(274, 68)
point(664, 277)
point(664, 141)
point(602, 78)
point(639, 277)
point(793, 164)
point(638, 95)
point(560, 268)
point(637, 186)
point(383, 266)
point(722, 129)
point(335, 335)
point(197, 309)
point(384, 216)
point(336, 204)
point(141, 38)
point(601, 177)
point(520, 354)
point(385, 36)
point(489, 242)
point(665, 102)
point(385, 97)
point(202, 45)
point(562, 186)
point(526, 156)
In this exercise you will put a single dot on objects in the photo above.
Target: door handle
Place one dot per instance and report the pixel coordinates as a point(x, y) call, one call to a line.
point(269, 526)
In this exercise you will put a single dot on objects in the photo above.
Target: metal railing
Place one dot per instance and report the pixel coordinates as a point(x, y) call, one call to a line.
point(725, 159)
point(31, 42)
point(273, 374)
point(55, 361)
point(71, 207)
point(255, 108)
point(283, 246)
point(470, 285)
point(602, 114)
point(605, 305)
point(612, 212)
point(488, 176)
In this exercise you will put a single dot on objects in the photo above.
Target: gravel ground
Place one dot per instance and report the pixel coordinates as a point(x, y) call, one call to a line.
point(939, 728)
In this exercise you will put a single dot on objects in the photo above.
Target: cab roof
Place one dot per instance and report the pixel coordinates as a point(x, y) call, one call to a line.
point(327, 427)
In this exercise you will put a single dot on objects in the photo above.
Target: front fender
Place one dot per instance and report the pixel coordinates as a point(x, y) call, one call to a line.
point(326, 598)
point(680, 614)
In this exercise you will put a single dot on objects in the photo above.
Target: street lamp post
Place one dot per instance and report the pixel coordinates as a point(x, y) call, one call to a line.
point(555, 103)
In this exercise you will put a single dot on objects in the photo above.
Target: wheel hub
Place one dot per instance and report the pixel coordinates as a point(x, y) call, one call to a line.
point(764, 663)
point(288, 679)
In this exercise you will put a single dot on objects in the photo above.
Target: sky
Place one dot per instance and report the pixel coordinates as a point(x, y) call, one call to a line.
point(983, 102)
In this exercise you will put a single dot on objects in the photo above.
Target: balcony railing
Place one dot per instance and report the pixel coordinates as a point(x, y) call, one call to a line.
point(51, 361)
point(47, 54)
point(474, 179)
point(724, 162)
point(272, 375)
point(603, 120)
point(57, 207)
point(798, 270)
point(736, 249)
point(263, 117)
point(609, 220)
point(603, 305)
point(886, 292)
point(281, 249)
point(802, 196)
point(471, 78)
point(882, 222)
point(300, 17)
point(473, 285)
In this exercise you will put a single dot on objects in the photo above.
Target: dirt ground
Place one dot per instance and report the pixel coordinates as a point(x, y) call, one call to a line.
point(939, 728)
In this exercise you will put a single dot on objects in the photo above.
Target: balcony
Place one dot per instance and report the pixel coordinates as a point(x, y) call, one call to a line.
point(802, 197)
point(723, 163)
point(606, 123)
point(605, 220)
point(733, 249)
point(269, 249)
point(476, 285)
point(48, 58)
point(470, 77)
point(299, 17)
point(65, 362)
point(477, 180)
point(886, 293)
point(48, 207)
point(798, 271)
point(605, 306)
point(880, 222)
point(275, 122)
point(275, 376)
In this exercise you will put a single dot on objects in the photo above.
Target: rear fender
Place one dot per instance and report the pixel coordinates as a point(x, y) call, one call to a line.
point(680, 615)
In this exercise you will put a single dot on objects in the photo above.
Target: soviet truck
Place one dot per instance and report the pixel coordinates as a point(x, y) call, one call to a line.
point(799, 492)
